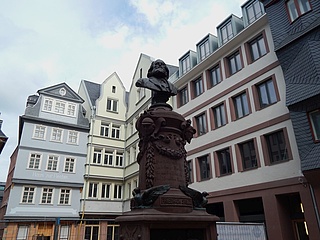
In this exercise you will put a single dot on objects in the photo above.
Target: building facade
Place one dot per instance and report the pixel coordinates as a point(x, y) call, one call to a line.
point(295, 27)
point(245, 153)
point(3, 138)
point(102, 198)
point(45, 177)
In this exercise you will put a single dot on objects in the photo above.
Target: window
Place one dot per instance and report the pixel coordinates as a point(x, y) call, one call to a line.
point(47, 106)
point(112, 231)
point(114, 89)
point(47, 194)
point(204, 167)
point(214, 76)
point(39, 132)
point(56, 134)
point(59, 107)
point(112, 105)
point(277, 147)
point(73, 137)
point(28, 194)
point(219, 115)
point(64, 198)
point(234, 63)
point(64, 232)
point(226, 32)
point(119, 159)
point(254, 11)
point(115, 131)
point(97, 155)
point(71, 109)
point(224, 161)
point(197, 87)
point(314, 117)
point(69, 165)
point(190, 171)
point(296, 8)
point(52, 163)
point(22, 233)
point(104, 130)
point(93, 190)
point(267, 93)
point(108, 157)
point(117, 194)
point(34, 161)
point(105, 190)
point(204, 50)
point(185, 64)
point(248, 155)
point(257, 48)
point(201, 123)
point(91, 233)
point(183, 96)
point(241, 105)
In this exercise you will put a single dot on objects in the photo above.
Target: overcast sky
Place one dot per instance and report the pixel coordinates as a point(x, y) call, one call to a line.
point(46, 42)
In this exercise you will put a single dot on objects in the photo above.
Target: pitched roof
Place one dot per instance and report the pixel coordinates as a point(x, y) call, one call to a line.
point(93, 90)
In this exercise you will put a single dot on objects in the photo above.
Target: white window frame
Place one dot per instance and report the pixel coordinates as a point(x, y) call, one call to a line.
point(226, 32)
point(204, 49)
point(117, 191)
point(64, 232)
point(93, 190)
point(97, 156)
point(119, 160)
point(256, 10)
point(22, 233)
point(108, 158)
point(36, 157)
point(65, 193)
point(47, 193)
point(115, 131)
point(105, 190)
point(73, 137)
point(60, 107)
point(39, 132)
point(69, 164)
point(47, 104)
point(56, 134)
point(114, 105)
point(186, 64)
point(30, 194)
point(53, 163)
point(104, 129)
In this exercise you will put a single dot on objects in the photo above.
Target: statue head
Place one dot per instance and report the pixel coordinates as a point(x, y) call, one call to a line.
point(158, 69)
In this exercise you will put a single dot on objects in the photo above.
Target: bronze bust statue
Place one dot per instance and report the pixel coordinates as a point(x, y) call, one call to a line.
point(157, 81)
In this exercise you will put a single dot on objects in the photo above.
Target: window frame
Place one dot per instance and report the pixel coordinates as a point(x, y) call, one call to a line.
point(266, 150)
point(235, 111)
point(297, 5)
point(218, 166)
point(66, 168)
point(39, 132)
point(30, 194)
point(204, 49)
point(315, 135)
point(108, 158)
point(255, 14)
point(197, 87)
point(64, 193)
point(257, 94)
point(204, 168)
point(35, 161)
point(73, 135)
point(185, 64)
point(239, 155)
point(201, 127)
point(259, 38)
point(23, 233)
point(183, 96)
point(56, 132)
point(115, 131)
point(117, 191)
point(214, 117)
point(63, 235)
point(113, 106)
point(105, 191)
point(53, 163)
point(227, 26)
point(47, 195)
point(218, 75)
point(237, 57)
point(93, 190)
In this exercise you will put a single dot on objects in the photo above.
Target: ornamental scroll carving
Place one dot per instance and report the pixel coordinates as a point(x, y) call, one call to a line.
point(159, 136)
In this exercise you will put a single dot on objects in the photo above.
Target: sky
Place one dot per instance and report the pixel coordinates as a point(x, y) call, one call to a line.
point(47, 42)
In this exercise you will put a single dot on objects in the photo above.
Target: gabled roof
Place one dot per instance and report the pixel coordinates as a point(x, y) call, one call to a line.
point(93, 90)
point(58, 92)
point(3, 138)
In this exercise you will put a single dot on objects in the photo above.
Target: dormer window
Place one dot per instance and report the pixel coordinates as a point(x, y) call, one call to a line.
point(254, 11)
point(185, 64)
point(296, 8)
point(226, 32)
point(204, 49)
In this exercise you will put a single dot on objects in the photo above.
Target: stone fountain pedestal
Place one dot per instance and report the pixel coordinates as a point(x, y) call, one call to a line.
point(164, 207)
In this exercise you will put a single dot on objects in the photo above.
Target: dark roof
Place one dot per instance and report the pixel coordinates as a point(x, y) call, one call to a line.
point(93, 90)
point(303, 74)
